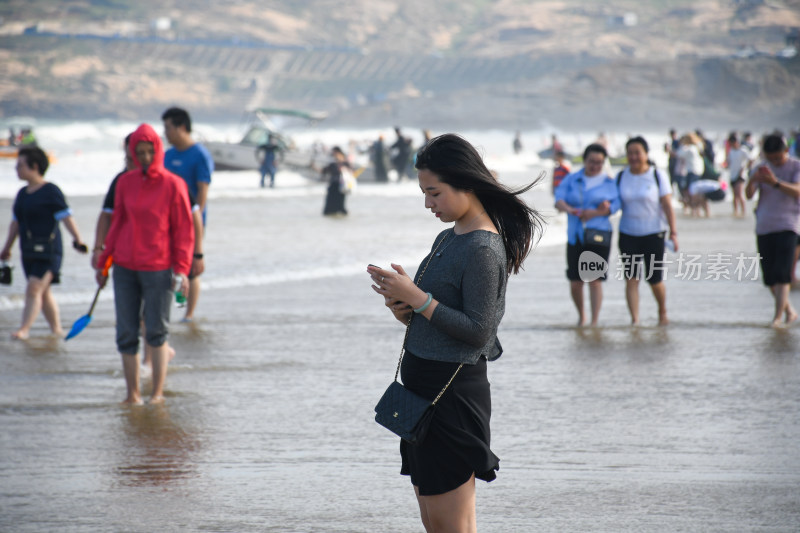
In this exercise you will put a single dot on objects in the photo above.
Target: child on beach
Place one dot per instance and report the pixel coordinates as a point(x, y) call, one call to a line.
point(39, 209)
point(560, 170)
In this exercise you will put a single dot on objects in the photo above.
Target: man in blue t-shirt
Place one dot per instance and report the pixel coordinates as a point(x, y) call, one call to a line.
point(193, 162)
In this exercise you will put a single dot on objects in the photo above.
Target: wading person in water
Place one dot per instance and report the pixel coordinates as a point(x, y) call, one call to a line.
point(647, 214)
point(151, 239)
point(588, 196)
point(777, 182)
point(456, 310)
point(39, 209)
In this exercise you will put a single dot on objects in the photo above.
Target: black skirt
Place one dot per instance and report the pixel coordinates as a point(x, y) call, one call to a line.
point(457, 443)
point(334, 201)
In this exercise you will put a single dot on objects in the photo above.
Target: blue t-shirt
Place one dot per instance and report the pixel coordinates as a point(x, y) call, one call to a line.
point(39, 213)
point(194, 165)
point(574, 192)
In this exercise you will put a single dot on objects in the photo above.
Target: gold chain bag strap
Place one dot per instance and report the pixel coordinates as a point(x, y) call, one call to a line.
point(401, 411)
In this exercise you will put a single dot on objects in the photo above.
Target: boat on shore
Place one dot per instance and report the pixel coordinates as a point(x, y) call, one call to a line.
point(243, 155)
point(20, 134)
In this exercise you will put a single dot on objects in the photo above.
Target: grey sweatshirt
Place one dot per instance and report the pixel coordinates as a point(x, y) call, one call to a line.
point(467, 276)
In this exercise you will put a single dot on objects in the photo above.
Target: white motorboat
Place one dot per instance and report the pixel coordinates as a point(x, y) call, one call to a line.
point(244, 154)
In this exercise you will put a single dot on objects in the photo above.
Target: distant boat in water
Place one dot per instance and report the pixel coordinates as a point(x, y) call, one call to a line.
point(20, 134)
point(243, 155)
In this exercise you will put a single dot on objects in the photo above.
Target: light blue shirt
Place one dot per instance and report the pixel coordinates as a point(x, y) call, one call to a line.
point(574, 192)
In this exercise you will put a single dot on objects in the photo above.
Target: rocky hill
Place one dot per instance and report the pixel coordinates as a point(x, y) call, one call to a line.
point(508, 63)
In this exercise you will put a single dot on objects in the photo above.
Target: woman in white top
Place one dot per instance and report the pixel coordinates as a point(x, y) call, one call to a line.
point(690, 164)
point(739, 161)
point(647, 213)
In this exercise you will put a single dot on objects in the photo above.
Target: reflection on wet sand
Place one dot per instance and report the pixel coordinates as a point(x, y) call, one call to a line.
point(155, 449)
point(42, 345)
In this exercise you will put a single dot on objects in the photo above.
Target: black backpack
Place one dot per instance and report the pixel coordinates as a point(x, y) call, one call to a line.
point(655, 173)
point(709, 170)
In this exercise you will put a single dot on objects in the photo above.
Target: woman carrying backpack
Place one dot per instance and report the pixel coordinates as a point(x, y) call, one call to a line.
point(647, 214)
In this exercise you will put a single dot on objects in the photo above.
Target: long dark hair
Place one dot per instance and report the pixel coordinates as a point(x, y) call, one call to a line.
point(457, 163)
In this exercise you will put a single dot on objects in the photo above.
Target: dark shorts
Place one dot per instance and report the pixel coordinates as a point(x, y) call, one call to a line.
point(647, 251)
point(141, 295)
point(574, 252)
point(38, 268)
point(776, 251)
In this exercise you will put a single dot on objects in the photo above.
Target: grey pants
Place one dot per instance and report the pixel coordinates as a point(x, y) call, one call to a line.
point(140, 294)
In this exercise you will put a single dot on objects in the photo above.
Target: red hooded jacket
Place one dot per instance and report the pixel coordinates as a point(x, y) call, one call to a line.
point(152, 227)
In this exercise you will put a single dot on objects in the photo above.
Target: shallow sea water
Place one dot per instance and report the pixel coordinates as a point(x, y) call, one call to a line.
point(268, 424)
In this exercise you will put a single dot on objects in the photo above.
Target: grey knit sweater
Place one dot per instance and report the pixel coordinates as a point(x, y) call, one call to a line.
point(467, 276)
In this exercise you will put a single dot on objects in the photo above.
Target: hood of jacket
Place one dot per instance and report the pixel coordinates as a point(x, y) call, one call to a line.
point(146, 133)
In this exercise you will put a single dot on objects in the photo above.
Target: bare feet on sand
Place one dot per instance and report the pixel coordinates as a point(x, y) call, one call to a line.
point(132, 400)
point(155, 400)
point(147, 364)
point(21, 334)
point(791, 316)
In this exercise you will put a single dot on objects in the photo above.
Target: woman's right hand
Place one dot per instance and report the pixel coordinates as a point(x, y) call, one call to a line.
point(101, 279)
point(5, 255)
point(401, 310)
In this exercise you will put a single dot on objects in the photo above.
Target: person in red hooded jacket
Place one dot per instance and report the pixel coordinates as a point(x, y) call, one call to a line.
point(151, 239)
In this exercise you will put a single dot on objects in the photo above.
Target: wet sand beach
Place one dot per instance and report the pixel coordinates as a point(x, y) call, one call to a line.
point(268, 423)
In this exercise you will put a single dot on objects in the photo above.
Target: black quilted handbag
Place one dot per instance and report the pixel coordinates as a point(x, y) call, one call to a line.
point(405, 413)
